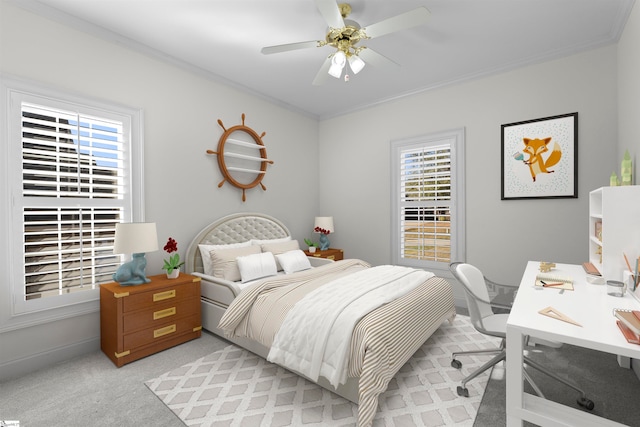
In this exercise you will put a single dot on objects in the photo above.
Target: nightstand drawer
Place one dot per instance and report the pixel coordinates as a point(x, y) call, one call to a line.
point(151, 299)
point(162, 331)
point(160, 313)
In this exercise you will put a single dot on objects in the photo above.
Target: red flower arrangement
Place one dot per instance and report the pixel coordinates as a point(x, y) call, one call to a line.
point(174, 260)
point(321, 230)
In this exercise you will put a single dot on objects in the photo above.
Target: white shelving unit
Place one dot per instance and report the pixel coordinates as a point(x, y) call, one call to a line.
point(617, 210)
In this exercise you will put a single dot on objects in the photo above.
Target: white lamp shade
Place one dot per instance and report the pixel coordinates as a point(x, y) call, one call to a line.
point(135, 237)
point(324, 222)
point(356, 64)
point(337, 64)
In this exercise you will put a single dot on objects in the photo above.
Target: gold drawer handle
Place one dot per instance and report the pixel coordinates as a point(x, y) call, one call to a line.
point(164, 313)
point(331, 257)
point(164, 295)
point(164, 331)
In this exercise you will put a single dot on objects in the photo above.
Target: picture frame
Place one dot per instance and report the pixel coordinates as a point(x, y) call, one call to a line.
point(540, 158)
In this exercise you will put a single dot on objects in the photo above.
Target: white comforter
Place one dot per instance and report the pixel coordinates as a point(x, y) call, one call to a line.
point(330, 313)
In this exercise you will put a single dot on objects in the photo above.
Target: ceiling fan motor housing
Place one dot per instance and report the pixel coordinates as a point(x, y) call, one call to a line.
point(345, 38)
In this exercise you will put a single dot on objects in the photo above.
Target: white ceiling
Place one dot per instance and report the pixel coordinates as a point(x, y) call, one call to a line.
point(463, 39)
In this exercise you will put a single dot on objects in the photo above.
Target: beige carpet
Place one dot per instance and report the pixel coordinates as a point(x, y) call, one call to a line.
point(233, 387)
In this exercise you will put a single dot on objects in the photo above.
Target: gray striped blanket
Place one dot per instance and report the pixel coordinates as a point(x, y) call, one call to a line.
point(382, 341)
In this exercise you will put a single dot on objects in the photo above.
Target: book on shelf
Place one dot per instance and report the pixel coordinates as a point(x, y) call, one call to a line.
point(631, 318)
point(629, 335)
point(545, 280)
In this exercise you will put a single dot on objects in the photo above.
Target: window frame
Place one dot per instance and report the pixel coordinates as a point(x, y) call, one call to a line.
point(456, 139)
point(16, 312)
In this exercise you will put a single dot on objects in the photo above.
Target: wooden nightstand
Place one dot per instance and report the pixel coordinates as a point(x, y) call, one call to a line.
point(136, 321)
point(331, 253)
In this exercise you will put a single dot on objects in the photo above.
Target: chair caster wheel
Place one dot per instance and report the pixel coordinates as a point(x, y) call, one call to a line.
point(584, 402)
point(456, 364)
point(463, 391)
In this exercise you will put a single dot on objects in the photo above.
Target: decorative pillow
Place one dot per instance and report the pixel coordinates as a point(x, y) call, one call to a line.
point(256, 266)
point(293, 261)
point(280, 248)
point(205, 254)
point(267, 241)
point(224, 261)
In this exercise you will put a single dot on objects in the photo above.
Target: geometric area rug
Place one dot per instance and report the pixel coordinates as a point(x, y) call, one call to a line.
point(234, 387)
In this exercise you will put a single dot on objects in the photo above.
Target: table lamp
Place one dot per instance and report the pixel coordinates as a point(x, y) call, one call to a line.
point(134, 238)
point(324, 226)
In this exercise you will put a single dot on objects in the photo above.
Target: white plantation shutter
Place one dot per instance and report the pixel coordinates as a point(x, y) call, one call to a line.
point(72, 181)
point(425, 201)
point(427, 218)
point(65, 154)
point(73, 195)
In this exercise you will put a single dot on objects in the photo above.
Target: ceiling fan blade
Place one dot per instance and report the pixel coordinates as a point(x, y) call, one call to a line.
point(323, 72)
point(410, 19)
point(372, 57)
point(290, 46)
point(331, 13)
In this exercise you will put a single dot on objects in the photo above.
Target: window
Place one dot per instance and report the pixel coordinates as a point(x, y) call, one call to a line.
point(71, 181)
point(428, 200)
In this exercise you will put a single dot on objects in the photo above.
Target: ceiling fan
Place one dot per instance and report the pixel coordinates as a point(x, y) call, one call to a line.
point(344, 35)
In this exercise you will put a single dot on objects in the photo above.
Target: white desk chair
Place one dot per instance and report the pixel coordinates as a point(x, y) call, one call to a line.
point(486, 321)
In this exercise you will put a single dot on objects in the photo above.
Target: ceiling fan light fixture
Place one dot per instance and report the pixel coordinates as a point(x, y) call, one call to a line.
point(344, 35)
point(356, 64)
point(337, 64)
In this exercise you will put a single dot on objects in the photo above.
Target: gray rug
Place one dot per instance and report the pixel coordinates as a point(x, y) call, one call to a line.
point(233, 387)
point(613, 389)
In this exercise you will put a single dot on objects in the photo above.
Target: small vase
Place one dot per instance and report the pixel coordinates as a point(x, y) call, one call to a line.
point(312, 249)
point(174, 274)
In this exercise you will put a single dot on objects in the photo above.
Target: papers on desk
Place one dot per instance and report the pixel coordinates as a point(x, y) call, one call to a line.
point(554, 282)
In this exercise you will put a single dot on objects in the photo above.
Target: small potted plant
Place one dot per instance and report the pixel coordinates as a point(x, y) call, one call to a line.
point(173, 264)
point(312, 245)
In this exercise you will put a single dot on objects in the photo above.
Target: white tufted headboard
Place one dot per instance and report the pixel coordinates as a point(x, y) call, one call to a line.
point(235, 228)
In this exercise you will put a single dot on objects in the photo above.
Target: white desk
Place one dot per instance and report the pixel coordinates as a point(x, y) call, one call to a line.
point(587, 304)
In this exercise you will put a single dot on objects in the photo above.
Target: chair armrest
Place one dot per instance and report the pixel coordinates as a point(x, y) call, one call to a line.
point(503, 294)
point(510, 288)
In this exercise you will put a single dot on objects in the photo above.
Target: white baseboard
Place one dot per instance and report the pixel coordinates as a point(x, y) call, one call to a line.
point(19, 367)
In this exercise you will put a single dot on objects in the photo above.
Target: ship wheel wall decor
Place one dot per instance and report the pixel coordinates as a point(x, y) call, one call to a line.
point(240, 149)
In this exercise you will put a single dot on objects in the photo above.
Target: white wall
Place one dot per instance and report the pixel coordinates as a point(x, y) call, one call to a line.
point(501, 235)
point(629, 89)
point(181, 110)
point(629, 100)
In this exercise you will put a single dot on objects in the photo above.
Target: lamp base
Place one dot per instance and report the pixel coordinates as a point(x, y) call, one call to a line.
point(132, 273)
point(324, 242)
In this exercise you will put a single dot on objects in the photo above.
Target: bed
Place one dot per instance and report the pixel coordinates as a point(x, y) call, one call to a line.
point(381, 342)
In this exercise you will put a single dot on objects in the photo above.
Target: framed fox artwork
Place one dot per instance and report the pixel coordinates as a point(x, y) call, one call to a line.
point(540, 158)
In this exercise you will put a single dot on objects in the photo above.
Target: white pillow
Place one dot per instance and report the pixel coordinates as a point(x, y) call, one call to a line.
point(293, 261)
point(280, 248)
point(256, 266)
point(224, 261)
point(205, 254)
point(261, 241)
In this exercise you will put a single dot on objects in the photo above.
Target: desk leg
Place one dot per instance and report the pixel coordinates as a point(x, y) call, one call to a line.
point(515, 382)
